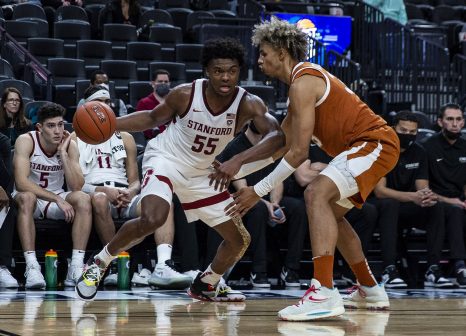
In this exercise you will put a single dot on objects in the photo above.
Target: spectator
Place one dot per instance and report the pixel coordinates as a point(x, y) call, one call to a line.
point(404, 196)
point(121, 11)
point(99, 77)
point(7, 224)
point(161, 84)
point(13, 123)
point(446, 153)
point(43, 160)
point(391, 9)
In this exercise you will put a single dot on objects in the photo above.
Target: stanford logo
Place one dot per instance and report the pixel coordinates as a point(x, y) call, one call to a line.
point(98, 111)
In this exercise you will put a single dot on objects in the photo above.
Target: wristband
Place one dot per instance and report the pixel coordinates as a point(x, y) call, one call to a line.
point(277, 176)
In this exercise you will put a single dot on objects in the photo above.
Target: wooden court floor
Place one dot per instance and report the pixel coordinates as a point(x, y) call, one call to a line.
point(147, 312)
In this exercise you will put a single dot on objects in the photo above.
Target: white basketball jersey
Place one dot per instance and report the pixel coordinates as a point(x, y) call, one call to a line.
point(103, 162)
point(199, 135)
point(45, 170)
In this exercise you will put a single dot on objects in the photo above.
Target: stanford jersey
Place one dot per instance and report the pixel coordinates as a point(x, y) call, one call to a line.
point(199, 135)
point(46, 170)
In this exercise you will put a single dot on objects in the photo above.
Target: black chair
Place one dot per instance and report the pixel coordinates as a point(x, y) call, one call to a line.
point(23, 87)
point(141, 142)
point(143, 53)
point(137, 91)
point(31, 108)
point(44, 48)
point(180, 17)
point(423, 120)
point(427, 11)
point(121, 72)
point(223, 13)
point(42, 25)
point(443, 13)
point(177, 71)
point(190, 55)
point(70, 32)
point(219, 4)
point(71, 13)
point(159, 16)
point(423, 134)
point(164, 4)
point(23, 30)
point(65, 72)
point(92, 52)
point(194, 21)
point(168, 37)
point(265, 92)
point(414, 12)
point(93, 11)
point(28, 10)
point(119, 35)
point(6, 70)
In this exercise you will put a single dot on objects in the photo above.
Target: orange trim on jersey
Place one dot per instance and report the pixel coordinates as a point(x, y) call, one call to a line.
point(206, 201)
point(191, 97)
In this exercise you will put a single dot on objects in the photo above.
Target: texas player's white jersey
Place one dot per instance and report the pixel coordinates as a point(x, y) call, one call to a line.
point(45, 170)
point(103, 162)
point(198, 136)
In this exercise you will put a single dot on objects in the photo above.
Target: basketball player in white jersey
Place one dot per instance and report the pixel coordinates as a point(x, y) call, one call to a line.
point(206, 116)
point(43, 161)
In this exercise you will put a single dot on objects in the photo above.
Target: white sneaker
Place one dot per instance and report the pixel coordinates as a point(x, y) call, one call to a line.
point(6, 279)
point(166, 276)
point(293, 329)
point(318, 302)
point(34, 278)
point(141, 278)
point(367, 297)
point(192, 273)
point(74, 272)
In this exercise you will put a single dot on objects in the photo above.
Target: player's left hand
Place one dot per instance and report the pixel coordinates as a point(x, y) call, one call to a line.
point(245, 198)
point(223, 173)
point(65, 142)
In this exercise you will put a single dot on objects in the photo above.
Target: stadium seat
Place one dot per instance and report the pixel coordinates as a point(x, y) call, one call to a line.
point(443, 13)
point(43, 48)
point(414, 12)
point(177, 71)
point(168, 37)
point(195, 19)
point(265, 92)
point(121, 72)
point(65, 72)
point(23, 87)
point(28, 10)
point(93, 11)
point(190, 55)
point(6, 70)
point(180, 17)
point(70, 32)
point(219, 4)
point(143, 53)
point(23, 30)
point(92, 52)
point(223, 13)
point(423, 134)
point(119, 35)
point(159, 16)
point(164, 4)
point(81, 85)
point(31, 108)
point(71, 13)
point(138, 90)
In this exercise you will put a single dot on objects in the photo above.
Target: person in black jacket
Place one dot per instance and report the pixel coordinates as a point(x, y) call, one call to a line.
point(446, 152)
point(7, 227)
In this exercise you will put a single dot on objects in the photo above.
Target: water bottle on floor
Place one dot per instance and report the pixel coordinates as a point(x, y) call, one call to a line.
point(51, 268)
point(123, 271)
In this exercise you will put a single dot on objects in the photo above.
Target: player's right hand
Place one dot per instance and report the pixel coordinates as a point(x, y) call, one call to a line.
point(112, 194)
point(66, 208)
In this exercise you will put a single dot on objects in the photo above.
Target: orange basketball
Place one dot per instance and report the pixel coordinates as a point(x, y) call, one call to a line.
point(94, 122)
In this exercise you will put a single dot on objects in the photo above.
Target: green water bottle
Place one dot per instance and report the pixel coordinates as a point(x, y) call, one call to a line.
point(123, 270)
point(51, 269)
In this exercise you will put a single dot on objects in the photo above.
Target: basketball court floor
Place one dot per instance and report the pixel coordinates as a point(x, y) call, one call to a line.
point(143, 311)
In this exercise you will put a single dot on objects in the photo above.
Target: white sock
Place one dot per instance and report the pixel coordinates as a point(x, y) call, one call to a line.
point(77, 258)
point(105, 256)
point(30, 257)
point(164, 253)
point(210, 276)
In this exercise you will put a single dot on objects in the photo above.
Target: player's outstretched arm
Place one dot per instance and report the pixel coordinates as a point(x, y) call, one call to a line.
point(176, 102)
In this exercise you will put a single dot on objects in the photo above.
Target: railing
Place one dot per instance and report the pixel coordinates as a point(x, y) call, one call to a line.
point(35, 74)
point(409, 67)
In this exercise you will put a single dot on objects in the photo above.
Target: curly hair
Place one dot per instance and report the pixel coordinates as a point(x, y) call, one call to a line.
point(281, 34)
point(227, 48)
point(19, 119)
point(50, 110)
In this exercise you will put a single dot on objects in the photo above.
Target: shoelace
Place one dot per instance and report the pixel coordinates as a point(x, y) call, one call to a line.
point(355, 288)
point(94, 273)
point(312, 289)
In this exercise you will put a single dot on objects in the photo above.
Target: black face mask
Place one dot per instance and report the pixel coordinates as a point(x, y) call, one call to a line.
point(451, 135)
point(406, 140)
point(162, 89)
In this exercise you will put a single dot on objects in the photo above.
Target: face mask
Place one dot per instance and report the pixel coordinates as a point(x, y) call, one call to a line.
point(162, 89)
point(406, 140)
point(451, 135)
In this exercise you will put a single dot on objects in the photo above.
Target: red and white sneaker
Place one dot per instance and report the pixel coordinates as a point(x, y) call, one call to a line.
point(364, 297)
point(317, 303)
point(221, 293)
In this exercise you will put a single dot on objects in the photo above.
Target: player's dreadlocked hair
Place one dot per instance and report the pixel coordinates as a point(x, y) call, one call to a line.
point(227, 48)
point(281, 34)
